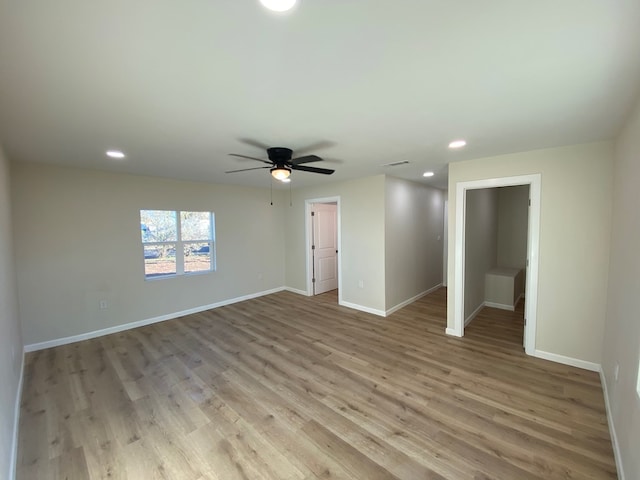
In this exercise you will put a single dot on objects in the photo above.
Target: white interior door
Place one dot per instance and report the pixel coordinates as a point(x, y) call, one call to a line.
point(324, 247)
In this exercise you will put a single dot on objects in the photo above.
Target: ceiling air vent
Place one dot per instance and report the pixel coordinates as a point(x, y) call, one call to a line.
point(395, 164)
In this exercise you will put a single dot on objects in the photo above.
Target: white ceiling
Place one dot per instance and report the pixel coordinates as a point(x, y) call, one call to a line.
point(178, 85)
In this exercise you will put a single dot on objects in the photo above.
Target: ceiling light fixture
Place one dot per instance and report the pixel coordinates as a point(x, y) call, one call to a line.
point(286, 180)
point(457, 144)
point(280, 173)
point(115, 154)
point(278, 5)
point(428, 174)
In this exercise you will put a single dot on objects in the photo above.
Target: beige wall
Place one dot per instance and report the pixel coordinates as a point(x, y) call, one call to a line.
point(77, 238)
point(513, 217)
point(413, 239)
point(622, 334)
point(10, 331)
point(78, 242)
point(481, 244)
point(576, 189)
point(362, 237)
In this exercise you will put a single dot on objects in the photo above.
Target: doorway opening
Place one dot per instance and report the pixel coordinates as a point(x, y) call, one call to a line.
point(533, 234)
point(323, 246)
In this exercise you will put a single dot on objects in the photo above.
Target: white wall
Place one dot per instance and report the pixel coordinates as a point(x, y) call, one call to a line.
point(11, 355)
point(77, 236)
point(575, 220)
point(622, 329)
point(513, 216)
point(481, 244)
point(413, 239)
point(362, 247)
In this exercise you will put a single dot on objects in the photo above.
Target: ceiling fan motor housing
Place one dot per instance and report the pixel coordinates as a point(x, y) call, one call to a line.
point(279, 155)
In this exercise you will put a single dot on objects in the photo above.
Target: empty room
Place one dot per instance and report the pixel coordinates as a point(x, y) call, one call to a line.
point(304, 239)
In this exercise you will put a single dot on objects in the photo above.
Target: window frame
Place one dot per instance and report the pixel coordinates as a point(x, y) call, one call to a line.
point(179, 246)
point(638, 378)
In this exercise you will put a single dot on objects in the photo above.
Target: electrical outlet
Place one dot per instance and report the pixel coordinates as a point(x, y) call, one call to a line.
point(102, 304)
point(616, 370)
point(360, 283)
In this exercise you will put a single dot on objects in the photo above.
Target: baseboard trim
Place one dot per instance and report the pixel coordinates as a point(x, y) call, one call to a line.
point(362, 308)
point(474, 314)
point(16, 423)
point(518, 300)
point(355, 306)
point(412, 299)
point(452, 332)
point(501, 306)
point(612, 428)
point(141, 323)
point(296, 290)
point(574, 362)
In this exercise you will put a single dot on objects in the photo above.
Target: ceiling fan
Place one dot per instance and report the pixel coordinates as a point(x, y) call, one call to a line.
point(280, 163)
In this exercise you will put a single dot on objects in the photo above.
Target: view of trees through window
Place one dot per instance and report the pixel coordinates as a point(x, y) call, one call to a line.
point(176, 242)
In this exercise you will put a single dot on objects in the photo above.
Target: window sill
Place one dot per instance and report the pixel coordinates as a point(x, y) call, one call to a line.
point(178, 275)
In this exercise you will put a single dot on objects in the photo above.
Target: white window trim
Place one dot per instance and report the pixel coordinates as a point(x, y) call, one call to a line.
point(179, 247)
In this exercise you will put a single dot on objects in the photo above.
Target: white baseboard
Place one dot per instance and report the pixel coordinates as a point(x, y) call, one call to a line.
point(501, 306)
point(574, 362)
point(355, 306)
point(452, 332)
point(412, 299)
point(298, 291)
point(141, 323)
point(612, 428)
point(473, 315)
point(362, 308)
point(16, 423)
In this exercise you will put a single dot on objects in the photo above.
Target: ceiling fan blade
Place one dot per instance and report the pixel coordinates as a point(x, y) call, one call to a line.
point(315, 146)
point(306, 159)
point(246, 169)
point(254, 143)
point(324, 171)
point(250, 158)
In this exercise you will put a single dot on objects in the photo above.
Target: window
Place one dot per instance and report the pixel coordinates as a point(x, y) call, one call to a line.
point(638, 379)
point(175, 242)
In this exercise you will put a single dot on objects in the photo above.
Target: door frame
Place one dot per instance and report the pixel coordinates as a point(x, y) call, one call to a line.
point(308, 233)
point(533, 247)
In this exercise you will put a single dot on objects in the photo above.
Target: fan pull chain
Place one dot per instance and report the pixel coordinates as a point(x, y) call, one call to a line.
point(290, 202)
point(271, 183)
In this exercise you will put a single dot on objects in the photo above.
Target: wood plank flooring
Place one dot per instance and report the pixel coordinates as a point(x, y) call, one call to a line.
point(290, 387)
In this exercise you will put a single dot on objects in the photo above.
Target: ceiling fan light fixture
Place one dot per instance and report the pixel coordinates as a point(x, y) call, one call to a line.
point(280, 173)
point(115, 154)
point(278, 5)
point(457, 143)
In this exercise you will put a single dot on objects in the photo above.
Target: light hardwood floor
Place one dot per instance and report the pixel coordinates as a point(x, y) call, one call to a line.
point(290, 387)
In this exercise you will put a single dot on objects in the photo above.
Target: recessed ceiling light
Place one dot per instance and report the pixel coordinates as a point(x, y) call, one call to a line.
point(115, 154)
point(278, 5)
point(457, 144)
point(428, 174)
